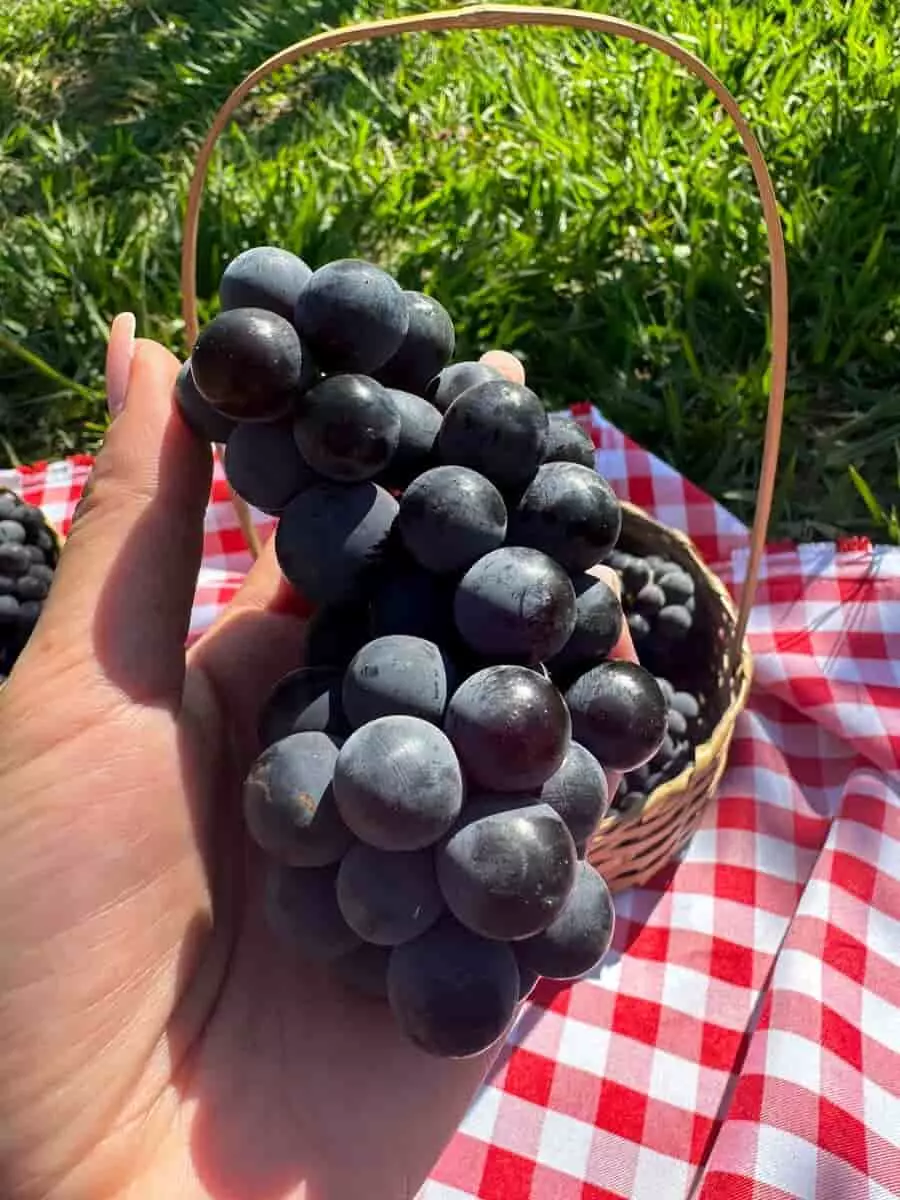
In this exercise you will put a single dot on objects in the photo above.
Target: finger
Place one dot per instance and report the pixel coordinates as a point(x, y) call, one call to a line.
point(257, 640)
point(507, 364)
point(122, 597)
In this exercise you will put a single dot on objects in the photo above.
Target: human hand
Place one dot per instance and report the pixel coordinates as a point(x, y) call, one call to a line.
point(155, 1040)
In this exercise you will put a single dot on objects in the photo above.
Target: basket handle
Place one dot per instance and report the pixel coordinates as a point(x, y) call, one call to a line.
point(496, 16)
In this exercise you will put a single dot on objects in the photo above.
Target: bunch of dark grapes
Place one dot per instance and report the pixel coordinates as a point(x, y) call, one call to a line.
point(28, 555)
point(430, 779)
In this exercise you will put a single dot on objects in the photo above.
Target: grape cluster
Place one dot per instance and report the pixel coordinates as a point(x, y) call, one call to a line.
point(430, 779)
point(28, 555)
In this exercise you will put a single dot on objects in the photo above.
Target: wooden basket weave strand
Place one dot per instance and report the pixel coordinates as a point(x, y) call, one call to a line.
point(627, 851)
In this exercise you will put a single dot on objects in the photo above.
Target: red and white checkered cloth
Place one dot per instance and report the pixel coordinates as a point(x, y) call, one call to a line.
point(742, 1040)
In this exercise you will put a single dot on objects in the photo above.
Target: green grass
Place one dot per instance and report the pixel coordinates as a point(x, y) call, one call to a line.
point(574, 199)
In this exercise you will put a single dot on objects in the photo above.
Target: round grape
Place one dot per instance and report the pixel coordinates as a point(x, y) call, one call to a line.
point(263, 464)
point(396, 674)
point(451, 992)
point(579, 793)
point(580, 935)
point(388, 897)
point(302, 909)
point(449, 517)
point(498, 428)
point(674, 623)
point(264, 277)
point(420, 423)
point(9, 609)
point(636, 574)
point(452, 381)
point(427, 346)
point(14, 559)
point(676, 724)
point(353, 316)
point(618, 713)
point(515, 604)
point(7, 585)
point(569, 512)
point(649, 600)
point(686, 704)
point(567, 442)
point(598, 625)
point(198, 414)
point(249, 364)
point(307, 700)
point(510, 727)
point(677, 586)
point(330, 536)
point(289, 802)
point(12, 531)
point(32, 587)
point(638, 627)
point(398, 783)
point(347, 428)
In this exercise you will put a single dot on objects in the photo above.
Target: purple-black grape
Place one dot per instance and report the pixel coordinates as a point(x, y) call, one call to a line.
point(249, 364)
point(7, 585)
point(32, 587)
point(397, 674)
point(347, 428)
point(498, 428)
point(352, 315)
point(578, 938)
point(388, 897)
point(638, 627)
point(516, 605)
point(263, 464)
point(420, 423)
point(667, 690)
point(618, 713)
point(10, 504)
point(36, 554)
point(453, 380)
point(451, 992)
point(289, 802)
point(330, 536)
point(449, 517)
point(44, 539)
point(505, 873)
point(598, 625)
point(335, 632)
point(9, 609)
point(569, 512)
point(364, 970)
point(649, 600)
point(398, 783)
point(658, 564)
point(676, 724)
point(677, 586)
point(264, 277)
point(567, 442)
point(674, 623)
point(307, 700)
point(686, 704)
point(14, 559)
point(412, 601)
point(12, 531)
point(579, 793)
point(427, 346)
point(206, 421)
point(302, 909)
point(510, 727)
point(636, 574)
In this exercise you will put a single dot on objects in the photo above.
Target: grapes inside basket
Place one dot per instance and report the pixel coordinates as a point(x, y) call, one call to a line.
point(29, 550)
point(430, 780)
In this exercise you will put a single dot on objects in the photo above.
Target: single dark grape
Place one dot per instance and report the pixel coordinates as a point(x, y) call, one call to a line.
point(289, 802)
point(638, 627)
point(364, 970)
point(249, 364)
point(330, 536)
point(264, 277)
point(686, 704)
point(398, 783)
point(420, 423)
point(568, 442)
point(14, 559)
point(579, 936)
point(515, 604)
point(453, 380)
point(579, 793)
point(352, 315)
point(667, 690)
point(449, 517)
point(510, 727)
point(397, 674)
point(636, 574)
point(649, 600)
point(7, 585)
point(335, 632)
point(674, 623)
point(451, 992)
point(598, 625)
point(412, 601)
point(36, 554)
point(9, 609)
point(198, 414)
point(618, 713)
point(505, 873)
point(388, 897)
point(263, 464)
point(307, 700)
point(676, 724)
point(302, 910)
point(498, 428)
point(658, 564)
point(10, 504)
point(31, 586)
point(569, 512)
point(427, 346)
point(347, 428)
point(12, 531)
point(677, 586)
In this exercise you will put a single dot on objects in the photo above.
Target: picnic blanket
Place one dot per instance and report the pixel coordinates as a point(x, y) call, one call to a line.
point(742, 1039)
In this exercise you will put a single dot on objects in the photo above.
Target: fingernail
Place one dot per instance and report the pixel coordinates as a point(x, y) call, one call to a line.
point(119, 354)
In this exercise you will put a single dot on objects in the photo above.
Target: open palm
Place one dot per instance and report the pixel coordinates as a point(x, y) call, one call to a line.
point(155, 1040)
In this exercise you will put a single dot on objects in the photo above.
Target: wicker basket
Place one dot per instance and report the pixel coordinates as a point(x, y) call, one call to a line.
point(628, 850)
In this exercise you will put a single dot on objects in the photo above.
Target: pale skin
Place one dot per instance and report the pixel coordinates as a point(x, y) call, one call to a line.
point(155, 1039)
